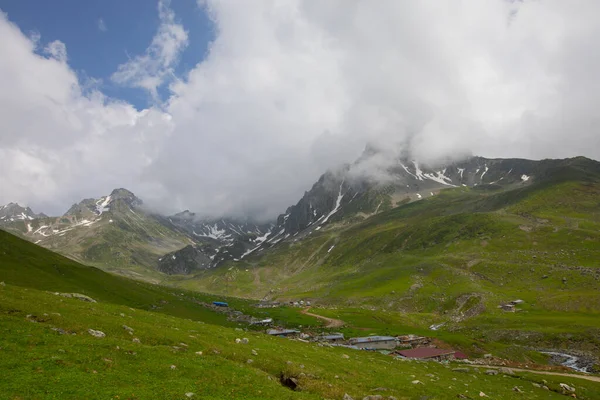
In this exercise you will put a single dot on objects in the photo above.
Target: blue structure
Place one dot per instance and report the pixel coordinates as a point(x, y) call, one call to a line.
point(220, 304)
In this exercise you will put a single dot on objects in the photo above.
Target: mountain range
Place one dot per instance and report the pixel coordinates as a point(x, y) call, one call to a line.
point(118, 233)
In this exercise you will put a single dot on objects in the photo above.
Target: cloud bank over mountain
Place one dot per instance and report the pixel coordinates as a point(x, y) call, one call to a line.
point(289, 89)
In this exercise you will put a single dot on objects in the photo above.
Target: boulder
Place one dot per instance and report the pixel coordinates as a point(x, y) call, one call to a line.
point(566, 387)
point(95, 333)
point(506, 371)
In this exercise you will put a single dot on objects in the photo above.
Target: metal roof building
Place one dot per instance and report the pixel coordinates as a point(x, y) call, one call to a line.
point(427, 353)
point(375, 342)
point(282, 332)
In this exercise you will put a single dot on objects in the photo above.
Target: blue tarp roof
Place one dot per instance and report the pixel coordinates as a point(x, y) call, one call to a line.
point(220, 303)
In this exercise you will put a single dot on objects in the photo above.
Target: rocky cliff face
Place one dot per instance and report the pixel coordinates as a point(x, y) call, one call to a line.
point(356, 191)
point(187, 260)
point(12, 212)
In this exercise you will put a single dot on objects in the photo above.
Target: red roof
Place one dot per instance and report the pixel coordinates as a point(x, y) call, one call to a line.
point(425, 352)
point(459, 355)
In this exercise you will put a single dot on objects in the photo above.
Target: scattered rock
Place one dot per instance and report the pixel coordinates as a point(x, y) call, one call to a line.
point(2, 284)
point(392, 398)
point(481, 394)
point(78, 296)
point(347, 397)
point(238, 340)
point(173, 367)
point(379, 389)
point(417, 382)
point(373, 397)
point(567, 387)
point(254, 353)
point(122, 315)
point(198, 353)
point(346, 356)
point(245, 341)
point(136, 340)
point(506, 371)
point(517, 389)
point(60, 331)
point(128, 329)
point(189, 394)
point(487, 356)
point(95, 333)
point(537, 385)
point(491, 372)
point(250, 361)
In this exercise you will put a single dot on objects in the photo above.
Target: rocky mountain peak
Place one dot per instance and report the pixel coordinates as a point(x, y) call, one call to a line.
point(14, 212)
point(126, 195)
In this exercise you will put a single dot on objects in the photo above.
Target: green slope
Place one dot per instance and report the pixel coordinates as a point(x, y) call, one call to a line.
point(46, 351)
point(453, 258)
point(30, 266)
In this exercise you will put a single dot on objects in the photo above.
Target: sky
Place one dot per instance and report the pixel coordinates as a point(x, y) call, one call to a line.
point(236, 107)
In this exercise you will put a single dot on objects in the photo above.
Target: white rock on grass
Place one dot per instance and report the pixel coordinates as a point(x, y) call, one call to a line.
point(189, 394)
point(77, 296)
point(567, 387)
point(95, 333)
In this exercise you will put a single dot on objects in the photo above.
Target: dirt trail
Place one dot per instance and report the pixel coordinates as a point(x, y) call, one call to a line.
point(533, 371)
point(329, 322)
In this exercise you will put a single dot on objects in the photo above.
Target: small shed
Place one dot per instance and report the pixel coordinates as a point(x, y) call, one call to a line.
point(220, 304)
point(333, 338)
point(428, 353)
point(375, 342)
point(283, 332)
point(266, 321)
point(507, 307)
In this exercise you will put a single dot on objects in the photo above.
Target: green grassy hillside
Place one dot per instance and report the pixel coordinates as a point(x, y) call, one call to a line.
point(27, 265)
point(453, 258)
point(180, 352)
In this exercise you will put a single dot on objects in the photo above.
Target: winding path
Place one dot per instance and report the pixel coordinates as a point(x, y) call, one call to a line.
point(533, 371)
point(329, 322)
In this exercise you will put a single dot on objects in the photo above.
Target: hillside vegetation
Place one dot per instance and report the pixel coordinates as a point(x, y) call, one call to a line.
point(48, 351)
point(452, 259)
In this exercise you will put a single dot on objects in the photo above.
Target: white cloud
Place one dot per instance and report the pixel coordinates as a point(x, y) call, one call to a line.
point(290, 88)
point(56, 50)
point(101, 25)
point(150, 70)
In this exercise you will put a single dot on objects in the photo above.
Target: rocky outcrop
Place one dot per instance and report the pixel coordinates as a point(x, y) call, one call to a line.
point(187, 260)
